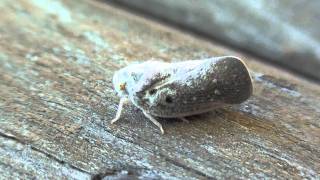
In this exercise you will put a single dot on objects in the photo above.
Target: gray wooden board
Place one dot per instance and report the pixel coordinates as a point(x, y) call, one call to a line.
point(56, 102)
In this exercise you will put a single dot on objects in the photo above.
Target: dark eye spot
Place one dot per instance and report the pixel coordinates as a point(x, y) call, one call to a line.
point(169, 99)
point(152, 91)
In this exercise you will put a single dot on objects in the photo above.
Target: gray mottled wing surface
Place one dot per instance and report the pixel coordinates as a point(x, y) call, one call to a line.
point(156, 73)
point(208, 84)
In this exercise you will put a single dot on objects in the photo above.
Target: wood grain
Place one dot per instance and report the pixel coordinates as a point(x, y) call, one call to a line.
point(56, 102)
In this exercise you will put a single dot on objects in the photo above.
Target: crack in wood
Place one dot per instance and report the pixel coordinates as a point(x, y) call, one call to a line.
point(166, 158)
point(48, 155)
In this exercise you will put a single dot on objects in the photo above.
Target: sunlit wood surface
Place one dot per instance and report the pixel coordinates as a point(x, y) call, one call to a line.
point(57, 100)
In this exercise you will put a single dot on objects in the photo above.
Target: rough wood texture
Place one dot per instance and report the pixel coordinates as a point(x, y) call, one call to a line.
point(56, 102)
point(283, 32)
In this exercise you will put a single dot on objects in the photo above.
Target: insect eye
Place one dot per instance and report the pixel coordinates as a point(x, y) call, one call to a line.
point(152, 91)
point(169, 99)
point(122, 86)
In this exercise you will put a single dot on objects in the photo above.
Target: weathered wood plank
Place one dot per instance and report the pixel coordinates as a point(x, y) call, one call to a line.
point(56, 102)
point(22, 161)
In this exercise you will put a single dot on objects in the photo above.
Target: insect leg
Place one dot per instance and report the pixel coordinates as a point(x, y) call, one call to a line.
point(120, 107)
point(154, 121)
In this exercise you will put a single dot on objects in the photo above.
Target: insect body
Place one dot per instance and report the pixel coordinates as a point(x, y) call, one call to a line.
point(182, 89)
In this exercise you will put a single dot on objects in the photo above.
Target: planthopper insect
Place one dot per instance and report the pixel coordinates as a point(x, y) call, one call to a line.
point(177, 90)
